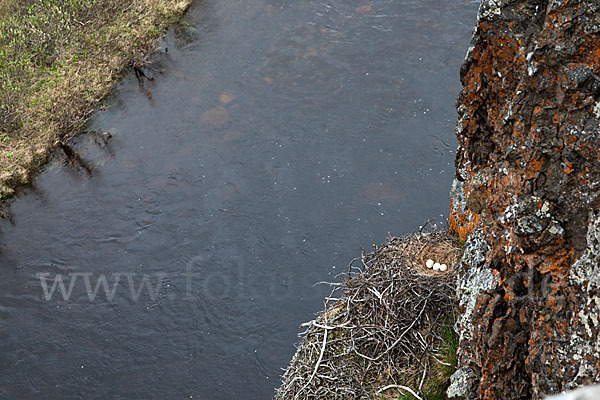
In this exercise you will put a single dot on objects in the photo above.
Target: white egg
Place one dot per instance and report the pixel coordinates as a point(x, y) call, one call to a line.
point(436, 266)
point(429, 263)
point(443, 267)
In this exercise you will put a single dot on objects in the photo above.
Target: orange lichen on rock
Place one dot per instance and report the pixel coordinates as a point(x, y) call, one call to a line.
point(529, 165)
point(462, 224)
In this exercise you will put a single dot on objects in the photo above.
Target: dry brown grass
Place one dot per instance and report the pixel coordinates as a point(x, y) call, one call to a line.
point(441, 248)
point(390, 328)
point(58, 60)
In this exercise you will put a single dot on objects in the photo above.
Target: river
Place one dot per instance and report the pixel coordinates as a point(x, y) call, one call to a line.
point(275, 139)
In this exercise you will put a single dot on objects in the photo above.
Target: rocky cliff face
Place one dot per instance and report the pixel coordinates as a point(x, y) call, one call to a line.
point(526, 200)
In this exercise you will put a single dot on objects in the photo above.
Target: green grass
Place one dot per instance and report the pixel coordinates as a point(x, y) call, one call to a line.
point(435, 388)
point(437, 380)
point(32, 33)
point(58, 59)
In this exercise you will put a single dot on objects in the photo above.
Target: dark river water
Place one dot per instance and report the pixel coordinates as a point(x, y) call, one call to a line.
point(276, 139)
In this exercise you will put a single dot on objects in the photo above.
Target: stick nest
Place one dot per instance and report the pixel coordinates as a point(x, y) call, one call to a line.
point(383, 331)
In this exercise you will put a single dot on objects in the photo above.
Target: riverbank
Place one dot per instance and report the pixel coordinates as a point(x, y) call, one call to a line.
point(58, 61)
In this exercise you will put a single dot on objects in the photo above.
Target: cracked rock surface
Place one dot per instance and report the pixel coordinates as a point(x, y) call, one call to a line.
point(526, 201)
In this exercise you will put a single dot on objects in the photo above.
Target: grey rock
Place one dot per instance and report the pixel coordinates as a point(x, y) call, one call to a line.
point(586, 393)
point(460, 382)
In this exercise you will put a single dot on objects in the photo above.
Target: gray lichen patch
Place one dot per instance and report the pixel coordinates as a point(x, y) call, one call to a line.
point(460, 382)
point(584, 344)
point(474, 277)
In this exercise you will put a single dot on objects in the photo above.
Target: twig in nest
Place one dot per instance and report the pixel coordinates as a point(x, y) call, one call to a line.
point(317, 364)
point(400, 387)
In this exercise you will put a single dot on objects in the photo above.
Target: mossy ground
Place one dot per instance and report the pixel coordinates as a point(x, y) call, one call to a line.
point(435, 387)
point(442, 367)
point(58, 59)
